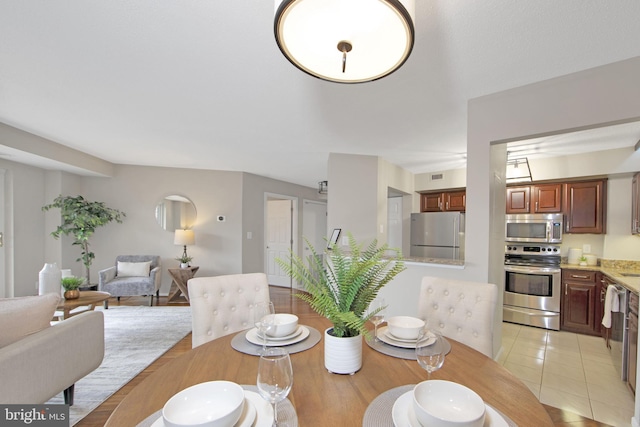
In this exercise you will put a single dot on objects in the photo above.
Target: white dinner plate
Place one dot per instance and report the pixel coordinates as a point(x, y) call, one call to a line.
point(395, 338)
point(387, 338)
point(292, 335)
point(404, 416)
point(253, 338)
point(248, 416)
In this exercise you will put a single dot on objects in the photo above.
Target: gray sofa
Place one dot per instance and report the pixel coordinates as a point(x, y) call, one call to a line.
point(39, 361)
point(132, 282)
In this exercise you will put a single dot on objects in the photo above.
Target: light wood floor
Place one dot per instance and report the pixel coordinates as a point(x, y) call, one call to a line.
point(99, 416)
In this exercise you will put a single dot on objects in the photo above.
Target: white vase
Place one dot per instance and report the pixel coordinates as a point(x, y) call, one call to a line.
point(342, 355)
point(49, 279)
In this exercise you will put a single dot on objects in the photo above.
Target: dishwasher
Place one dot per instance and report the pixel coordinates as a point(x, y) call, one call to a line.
point(632, 340)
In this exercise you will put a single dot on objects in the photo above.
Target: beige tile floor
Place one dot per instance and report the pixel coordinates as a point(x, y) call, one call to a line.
point(569, 371)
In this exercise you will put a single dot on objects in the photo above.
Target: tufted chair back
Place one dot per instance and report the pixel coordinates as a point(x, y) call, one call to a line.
point(463, 311)
point(223, 305)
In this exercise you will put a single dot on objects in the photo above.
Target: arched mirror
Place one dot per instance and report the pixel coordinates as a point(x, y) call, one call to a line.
point(175, 212)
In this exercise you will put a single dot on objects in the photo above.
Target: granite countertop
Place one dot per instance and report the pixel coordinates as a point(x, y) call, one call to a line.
point(615, 272)
point(442, 261)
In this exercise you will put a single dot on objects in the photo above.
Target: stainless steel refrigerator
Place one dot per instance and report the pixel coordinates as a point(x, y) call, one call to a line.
point(437, 235)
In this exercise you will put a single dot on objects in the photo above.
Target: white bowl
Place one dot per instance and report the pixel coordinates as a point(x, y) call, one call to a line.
point(284, 324)
point(440, 403)
point(405, 327)
point(210, 404)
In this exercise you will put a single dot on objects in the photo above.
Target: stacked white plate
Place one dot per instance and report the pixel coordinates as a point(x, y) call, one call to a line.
point(404, 415)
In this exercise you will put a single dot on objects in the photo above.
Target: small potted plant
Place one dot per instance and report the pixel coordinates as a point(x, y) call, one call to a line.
point(184, 260)
point(583, 260)
point(340, 287)
point(71, 285)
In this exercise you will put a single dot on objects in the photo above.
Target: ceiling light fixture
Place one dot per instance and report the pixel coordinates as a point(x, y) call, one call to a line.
point(518, 170)
point(343, 41)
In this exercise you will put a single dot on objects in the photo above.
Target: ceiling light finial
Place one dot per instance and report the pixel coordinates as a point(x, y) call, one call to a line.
point(307, 32)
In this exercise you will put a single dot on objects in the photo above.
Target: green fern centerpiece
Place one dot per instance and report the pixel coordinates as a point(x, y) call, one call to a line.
point(342, 287)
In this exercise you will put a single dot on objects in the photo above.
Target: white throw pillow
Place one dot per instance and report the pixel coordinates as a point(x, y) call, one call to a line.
point(134, 269)
point(23, 316)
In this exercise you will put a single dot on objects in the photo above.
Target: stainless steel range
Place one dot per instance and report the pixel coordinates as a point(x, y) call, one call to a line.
point(532, 285)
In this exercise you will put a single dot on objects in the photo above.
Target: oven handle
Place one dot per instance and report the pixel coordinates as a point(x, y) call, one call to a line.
point(530, 270)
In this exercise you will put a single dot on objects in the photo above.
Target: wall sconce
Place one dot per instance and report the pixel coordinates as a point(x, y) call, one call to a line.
point(323, 187)
point(518, 170)
point(184, 238)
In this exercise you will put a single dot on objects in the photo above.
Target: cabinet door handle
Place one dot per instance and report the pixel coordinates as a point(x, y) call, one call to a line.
point(447, 205)
point(536, 206)
point(576, 276)
point(527, 206)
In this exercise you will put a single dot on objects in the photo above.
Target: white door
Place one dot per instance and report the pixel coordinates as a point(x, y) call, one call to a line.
point(279, 239)
point(314, 228)
point(394, 221)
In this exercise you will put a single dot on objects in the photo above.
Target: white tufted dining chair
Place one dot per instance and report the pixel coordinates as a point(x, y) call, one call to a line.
point(461, 310)
point(223, 305)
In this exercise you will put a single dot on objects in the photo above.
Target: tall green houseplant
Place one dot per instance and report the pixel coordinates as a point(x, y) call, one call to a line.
point(81, 218)
point(341, 286)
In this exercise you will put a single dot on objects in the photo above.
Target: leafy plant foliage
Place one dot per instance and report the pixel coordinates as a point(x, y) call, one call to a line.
point(80, 218)
point(342, 286)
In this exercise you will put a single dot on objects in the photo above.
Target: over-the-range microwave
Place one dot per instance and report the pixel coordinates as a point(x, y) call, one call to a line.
point(534, 228)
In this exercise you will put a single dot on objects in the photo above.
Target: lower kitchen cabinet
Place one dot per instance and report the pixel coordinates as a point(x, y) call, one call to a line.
point(580, 309)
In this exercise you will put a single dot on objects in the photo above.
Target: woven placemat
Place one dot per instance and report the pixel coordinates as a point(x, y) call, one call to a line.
point(379, 411)
point(400, 352)
point(287, 415)
point(240, 343)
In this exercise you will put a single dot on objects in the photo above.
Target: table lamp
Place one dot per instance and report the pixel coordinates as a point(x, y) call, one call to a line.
point(184, 238)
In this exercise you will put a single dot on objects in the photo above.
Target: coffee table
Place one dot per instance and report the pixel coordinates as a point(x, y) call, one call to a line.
point(88, 299)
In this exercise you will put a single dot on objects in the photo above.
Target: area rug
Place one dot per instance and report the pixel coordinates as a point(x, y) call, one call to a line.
point(135, 336)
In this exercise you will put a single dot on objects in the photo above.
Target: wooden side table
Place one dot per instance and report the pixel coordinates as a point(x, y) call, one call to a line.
point(180, 278)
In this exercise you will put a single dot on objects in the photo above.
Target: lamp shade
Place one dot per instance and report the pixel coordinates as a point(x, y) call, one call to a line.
point(184, 238)
point(345, 41)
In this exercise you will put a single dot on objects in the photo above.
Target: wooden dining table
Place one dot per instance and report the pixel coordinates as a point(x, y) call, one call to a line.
point(321, 398)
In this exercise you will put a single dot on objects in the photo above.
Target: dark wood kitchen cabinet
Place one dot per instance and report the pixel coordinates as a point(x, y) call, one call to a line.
point(635, 204)
point(585, 206)
point(580, 309)
point(538, 198)
point(445, 201)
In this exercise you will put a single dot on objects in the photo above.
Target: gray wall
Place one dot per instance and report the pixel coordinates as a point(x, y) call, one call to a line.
point(136, 190)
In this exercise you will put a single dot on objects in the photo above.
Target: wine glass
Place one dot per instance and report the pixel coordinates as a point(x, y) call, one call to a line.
point(263, 319)
point(275, 377)
point(430, 350)
point(378, 309)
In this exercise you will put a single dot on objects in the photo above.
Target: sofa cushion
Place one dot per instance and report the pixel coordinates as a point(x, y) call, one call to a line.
point(23, 316)
point(133, 269)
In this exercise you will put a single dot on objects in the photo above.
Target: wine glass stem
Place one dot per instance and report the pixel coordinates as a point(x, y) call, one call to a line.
point(375, 332)
point(275, 413)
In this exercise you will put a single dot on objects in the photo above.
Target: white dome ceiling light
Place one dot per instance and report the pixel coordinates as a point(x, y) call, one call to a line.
point(345, 41)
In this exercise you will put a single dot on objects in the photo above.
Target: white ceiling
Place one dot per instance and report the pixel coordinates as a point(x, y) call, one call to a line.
point(202, 84)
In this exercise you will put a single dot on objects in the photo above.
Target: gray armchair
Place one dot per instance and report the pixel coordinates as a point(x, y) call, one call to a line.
point(132, 275)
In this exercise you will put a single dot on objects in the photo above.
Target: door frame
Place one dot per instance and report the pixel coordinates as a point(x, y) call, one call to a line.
point(293, 223)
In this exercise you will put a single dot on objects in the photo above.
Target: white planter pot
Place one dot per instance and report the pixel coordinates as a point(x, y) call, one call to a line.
point(342, 355)
point(184, 265)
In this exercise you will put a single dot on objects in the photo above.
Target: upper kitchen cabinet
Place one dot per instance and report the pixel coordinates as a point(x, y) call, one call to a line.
point(538, 198)
point(635, 204)
point(585, 206)
point(443, 201)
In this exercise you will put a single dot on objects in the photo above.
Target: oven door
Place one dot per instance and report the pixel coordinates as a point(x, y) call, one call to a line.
point(532, 287)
